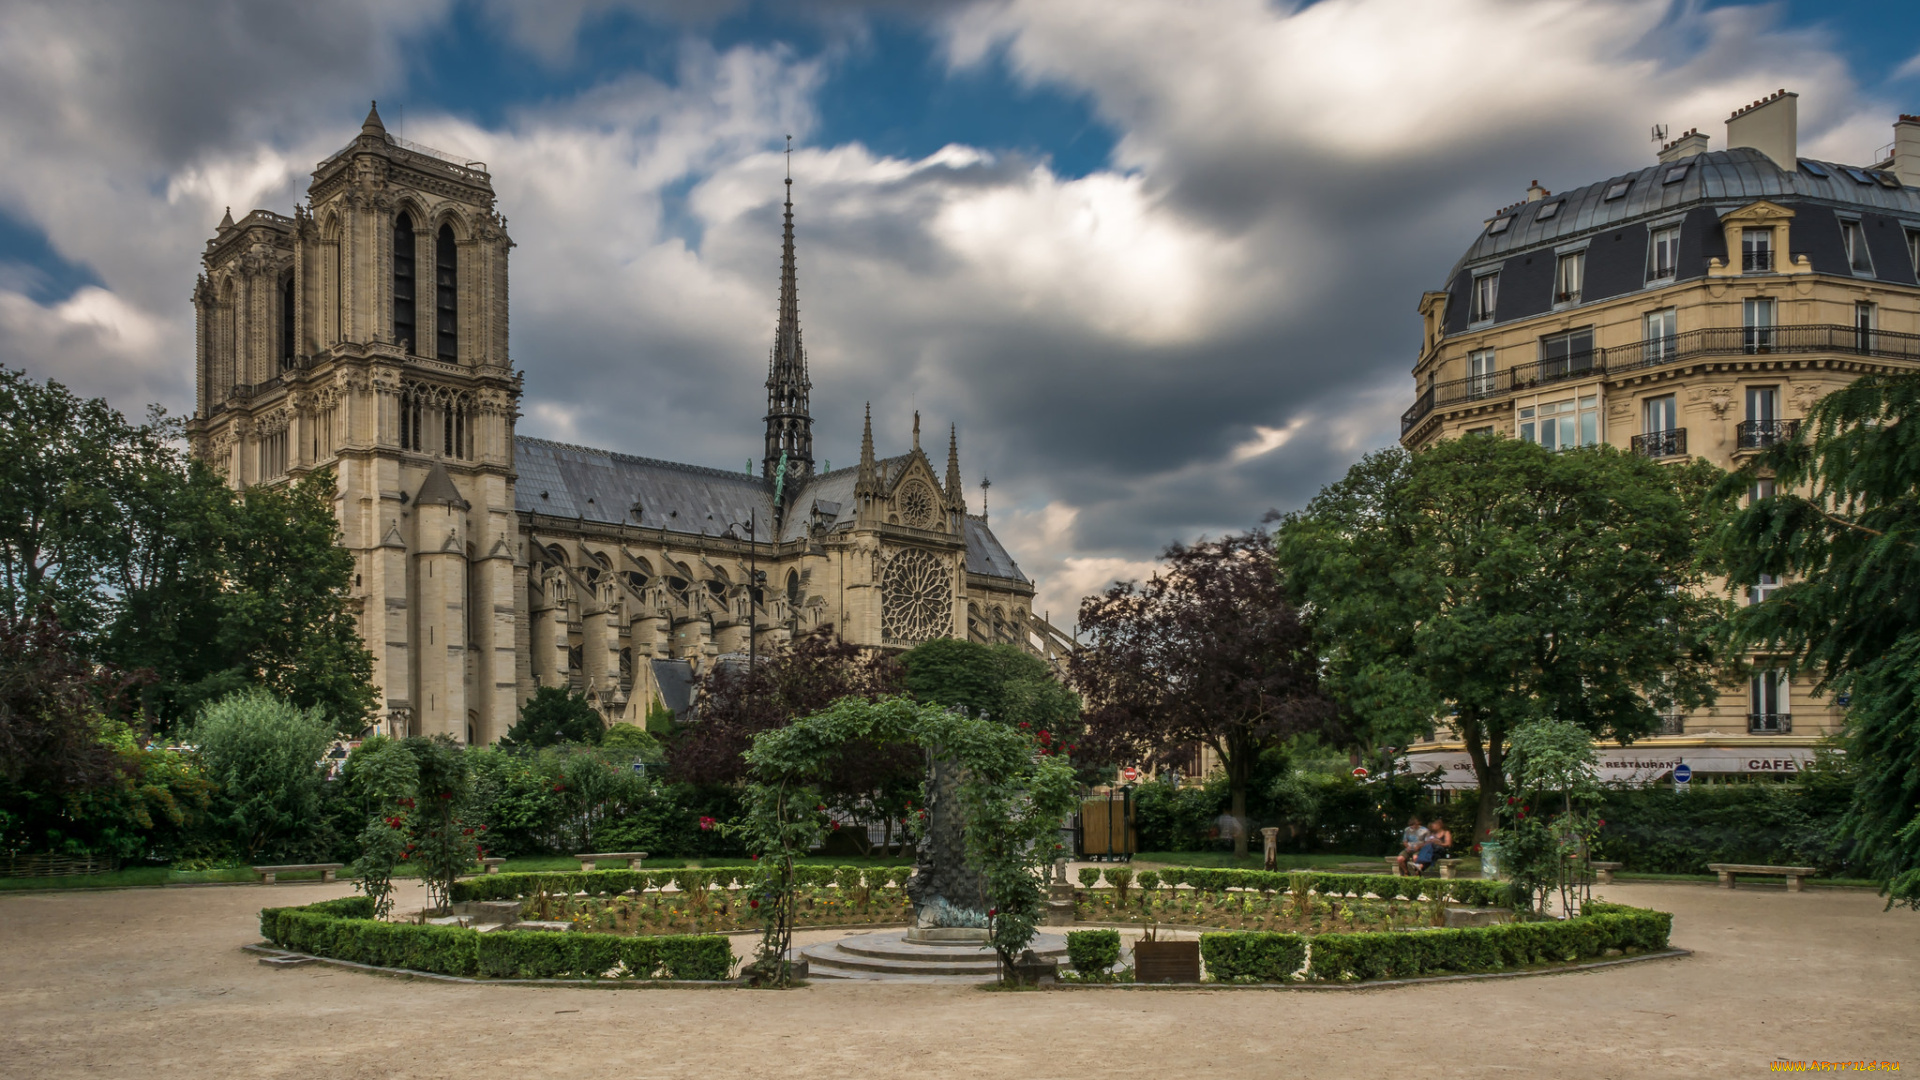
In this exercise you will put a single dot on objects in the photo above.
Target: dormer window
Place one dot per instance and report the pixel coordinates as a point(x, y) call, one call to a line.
point(1617, 189)
point(1756, 250)
point(1663, 254)
point(1566, 278)
point(1500, 225)
point(1854, 239)
point(1486, 294)
point(1676, 174)
point(1812, 168)
point(1548, 212)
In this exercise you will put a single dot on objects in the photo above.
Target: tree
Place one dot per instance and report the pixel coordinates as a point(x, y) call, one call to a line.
point(1486, 582)
point(1211, 650)
point(553, 715)
point(1842, 527)
point(264, 754)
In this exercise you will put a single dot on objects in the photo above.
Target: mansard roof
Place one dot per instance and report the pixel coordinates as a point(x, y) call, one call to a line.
point(562, 480)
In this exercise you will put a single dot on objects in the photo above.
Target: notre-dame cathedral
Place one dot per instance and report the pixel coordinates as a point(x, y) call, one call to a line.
point(367, 334)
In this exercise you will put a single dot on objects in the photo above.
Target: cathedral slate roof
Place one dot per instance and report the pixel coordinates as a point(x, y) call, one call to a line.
point(563, 480)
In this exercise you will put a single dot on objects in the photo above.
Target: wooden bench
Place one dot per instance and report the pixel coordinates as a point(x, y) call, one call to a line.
point(1793, 874)
point(589, 862)
point(1603, 871)
point(492, 865)
point(326, 870)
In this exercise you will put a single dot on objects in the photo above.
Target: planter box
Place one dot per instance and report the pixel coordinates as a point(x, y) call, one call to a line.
point(1166, 961)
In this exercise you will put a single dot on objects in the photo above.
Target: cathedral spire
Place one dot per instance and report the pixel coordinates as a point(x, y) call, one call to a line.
point(867, 483)
point(956, 494)
point(372, 125)
point(789, 423)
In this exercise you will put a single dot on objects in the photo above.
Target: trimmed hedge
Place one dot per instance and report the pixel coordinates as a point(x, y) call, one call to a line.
point(346, 930)
point(1093, 952)
point(1346, 957)
point(615, 882)
point(1259, 957)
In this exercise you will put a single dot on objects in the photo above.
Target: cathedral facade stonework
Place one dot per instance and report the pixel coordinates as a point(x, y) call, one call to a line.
point(367, 334)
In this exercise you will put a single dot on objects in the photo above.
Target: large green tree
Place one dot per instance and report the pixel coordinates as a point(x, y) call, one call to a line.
point(1487, 582)
point(1842, 527)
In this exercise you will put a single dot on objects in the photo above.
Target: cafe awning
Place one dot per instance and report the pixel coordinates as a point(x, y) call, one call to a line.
point(1632, 765)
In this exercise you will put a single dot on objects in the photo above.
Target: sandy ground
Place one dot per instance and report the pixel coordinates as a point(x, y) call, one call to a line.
point(153, 982)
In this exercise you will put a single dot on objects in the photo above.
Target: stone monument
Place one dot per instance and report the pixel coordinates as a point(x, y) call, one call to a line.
point(946, 892)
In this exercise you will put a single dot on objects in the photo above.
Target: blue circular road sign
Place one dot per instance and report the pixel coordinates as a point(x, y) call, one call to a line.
point(1682, 773)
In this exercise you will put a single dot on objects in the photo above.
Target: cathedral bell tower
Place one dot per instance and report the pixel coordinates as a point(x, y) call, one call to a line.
point(367, 334)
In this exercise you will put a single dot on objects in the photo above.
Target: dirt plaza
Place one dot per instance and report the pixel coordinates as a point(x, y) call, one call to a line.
point(154, 981)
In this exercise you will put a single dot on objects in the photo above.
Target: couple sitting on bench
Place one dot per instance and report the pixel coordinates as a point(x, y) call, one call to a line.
point(1422, 844)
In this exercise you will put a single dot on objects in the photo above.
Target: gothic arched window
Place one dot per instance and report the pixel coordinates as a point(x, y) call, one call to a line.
point(793, 588)
point(286, 323)
point(445, 334)
point(403, 323)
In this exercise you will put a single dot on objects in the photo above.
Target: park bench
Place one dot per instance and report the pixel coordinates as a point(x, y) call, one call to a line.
point(1444, 864)
point(492, 865)
point(1793, 874)
point(326, 870)
point(589, 862)
point(1603, 871)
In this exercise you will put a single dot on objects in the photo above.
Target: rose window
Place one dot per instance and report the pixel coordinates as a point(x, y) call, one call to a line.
point(916, 506)
point(916, 597)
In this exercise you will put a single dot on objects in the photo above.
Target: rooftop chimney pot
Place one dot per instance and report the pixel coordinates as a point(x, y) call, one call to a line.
point(1906, 150)
point(1771, 126)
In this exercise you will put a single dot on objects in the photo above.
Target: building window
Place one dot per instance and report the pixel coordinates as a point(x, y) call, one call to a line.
point(1480, 373)
point(1763, 404)
point(1662, 414)
point(1757, 316)
point(1562, 425)
point(1756, 250)
point(1486, 293)
point(403, 324)
point(1865, 318)
point(1762, 591)
point(273, 455)
point(1663, 258)
point(444, 316)
point(1618, 188)
point(1662, 336)
point(286, 323)
point(1769, 706)
point(1913, 251)
point(1566, 354)
point(1566, 277)
point(1855, 241)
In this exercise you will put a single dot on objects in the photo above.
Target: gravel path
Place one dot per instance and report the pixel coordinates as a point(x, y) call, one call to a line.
point(153, 981)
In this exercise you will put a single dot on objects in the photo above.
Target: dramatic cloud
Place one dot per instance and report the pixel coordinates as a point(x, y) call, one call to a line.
point(1217, 323)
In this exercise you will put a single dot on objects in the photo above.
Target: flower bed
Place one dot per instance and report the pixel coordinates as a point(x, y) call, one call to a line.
point(346, 930)
point(696, 901)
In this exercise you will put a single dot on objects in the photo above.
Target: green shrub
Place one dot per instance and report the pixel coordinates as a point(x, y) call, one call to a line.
point(1490, 948)
point(341, 929)
point(1089, 877)
point(1093, 952)
point(1253, 957)
point(1149, 880)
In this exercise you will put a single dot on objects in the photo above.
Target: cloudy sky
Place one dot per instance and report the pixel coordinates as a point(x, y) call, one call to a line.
point(1158, 261)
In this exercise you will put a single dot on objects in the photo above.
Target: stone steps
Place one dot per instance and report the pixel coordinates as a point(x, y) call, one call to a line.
point(889, 956)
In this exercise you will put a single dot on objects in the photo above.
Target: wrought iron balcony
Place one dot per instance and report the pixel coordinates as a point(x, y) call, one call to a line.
point(1673, 725)
point(1769, 723)
point(1658, 444)
point(1756, 262)
point(1674, 349)
point(1755, 434)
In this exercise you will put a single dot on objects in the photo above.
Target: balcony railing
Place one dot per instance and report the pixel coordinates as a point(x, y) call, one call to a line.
point(1769, 723)
point(1658, 444)
point(1757, 434)
point(1679, 348)
point(1673, 725)
point(1756, 262)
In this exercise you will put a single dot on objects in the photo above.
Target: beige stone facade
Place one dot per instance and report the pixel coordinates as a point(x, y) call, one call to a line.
point(1695, 308)
point(368, 334)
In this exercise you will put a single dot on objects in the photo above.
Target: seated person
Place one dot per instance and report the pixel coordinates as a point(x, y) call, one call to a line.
point(1438, 840)
point(1411, 838)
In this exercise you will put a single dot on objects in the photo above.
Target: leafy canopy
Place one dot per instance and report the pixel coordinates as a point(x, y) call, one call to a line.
point(553, 715)
point(1487, 582)
point(263, 753)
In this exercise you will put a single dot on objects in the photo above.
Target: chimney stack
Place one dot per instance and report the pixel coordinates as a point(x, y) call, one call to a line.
point(1535, 192)
point(1906, 150)
point(1692, 144)
point(1771, 126)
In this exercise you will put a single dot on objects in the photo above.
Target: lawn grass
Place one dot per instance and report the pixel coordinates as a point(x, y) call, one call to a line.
point(129, 877)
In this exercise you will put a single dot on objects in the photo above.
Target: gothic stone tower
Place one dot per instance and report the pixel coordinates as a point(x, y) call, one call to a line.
point(367, 334)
